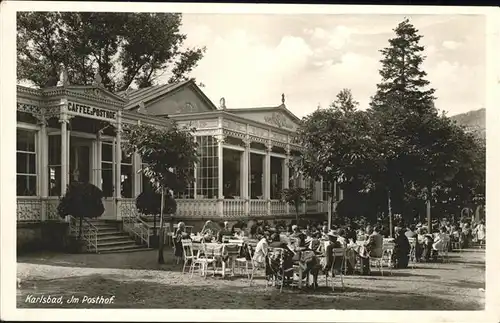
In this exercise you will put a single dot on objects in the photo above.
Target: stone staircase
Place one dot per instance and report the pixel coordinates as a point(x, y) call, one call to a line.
point(111, 240)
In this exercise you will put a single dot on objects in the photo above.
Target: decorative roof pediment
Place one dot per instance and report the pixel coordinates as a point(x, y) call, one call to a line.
point(96, 92)
point(279, 117)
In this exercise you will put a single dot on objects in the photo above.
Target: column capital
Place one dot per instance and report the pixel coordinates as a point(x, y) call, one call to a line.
point(220, 139)
point(247, 141)
point(269, 146)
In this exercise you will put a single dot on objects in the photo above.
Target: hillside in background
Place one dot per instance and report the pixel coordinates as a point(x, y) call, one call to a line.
point(473, 121)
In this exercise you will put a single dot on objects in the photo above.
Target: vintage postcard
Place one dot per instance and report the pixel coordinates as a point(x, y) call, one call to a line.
point(194, 159)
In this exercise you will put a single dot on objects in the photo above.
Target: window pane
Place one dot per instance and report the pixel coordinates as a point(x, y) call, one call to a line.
point(107, 152)
point(126, 159)
point(54, 150)
point(32, 164)
point(26, 185)
point(22, 163)
point(107, 180)
point(54, 181)
point(25, 140)
point(126, 181)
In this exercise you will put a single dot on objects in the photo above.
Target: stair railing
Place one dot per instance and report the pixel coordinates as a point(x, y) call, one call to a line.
point(89, 232)
point(136, 226)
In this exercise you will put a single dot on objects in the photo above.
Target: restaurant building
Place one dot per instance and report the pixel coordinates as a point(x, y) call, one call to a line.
point(73, 133)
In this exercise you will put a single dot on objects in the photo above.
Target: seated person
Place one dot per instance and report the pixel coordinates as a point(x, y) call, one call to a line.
point(440, 240)
point(428, 241)
point(341, 237)
point(315, 242)
point(224, 232)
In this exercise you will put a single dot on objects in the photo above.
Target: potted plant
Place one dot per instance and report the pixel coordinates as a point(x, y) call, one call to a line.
point(82, 200)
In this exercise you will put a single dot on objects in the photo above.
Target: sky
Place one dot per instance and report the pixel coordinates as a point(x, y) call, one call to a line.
point(251, 59)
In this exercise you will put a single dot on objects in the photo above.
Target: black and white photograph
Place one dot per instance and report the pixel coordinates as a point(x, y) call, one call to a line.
point(245, 157)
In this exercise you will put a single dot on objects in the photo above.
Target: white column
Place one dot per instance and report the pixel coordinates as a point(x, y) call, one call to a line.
point(118, 162)
point(64, 153)
point(320, 196)
point(267, 177)
point(98, 160)
point(220, 179)
point(195, 175)
point(246, 175)
point(136, 174)
point(286, 177)
point(42, 163)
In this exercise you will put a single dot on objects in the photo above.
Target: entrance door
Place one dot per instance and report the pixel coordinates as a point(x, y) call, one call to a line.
point(80, 164)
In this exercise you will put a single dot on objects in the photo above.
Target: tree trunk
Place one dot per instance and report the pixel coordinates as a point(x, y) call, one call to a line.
point(161, 260)
point(389, 211)
point(80, 228)
point(429, 217)
point(154, 223)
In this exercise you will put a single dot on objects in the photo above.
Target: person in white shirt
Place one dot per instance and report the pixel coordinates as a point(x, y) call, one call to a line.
point(262, 249)
point(480, 232)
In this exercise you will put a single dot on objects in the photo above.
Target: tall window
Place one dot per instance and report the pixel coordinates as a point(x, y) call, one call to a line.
point(127, 176)
point(54, 165)
point(26, 163)
point(207, 170)
point(327, 190)
point(107, 169)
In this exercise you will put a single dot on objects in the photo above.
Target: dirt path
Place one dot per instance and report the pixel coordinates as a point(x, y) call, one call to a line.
point(136, 281)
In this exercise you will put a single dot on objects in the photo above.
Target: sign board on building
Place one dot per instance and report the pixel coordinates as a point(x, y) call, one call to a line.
point(91, 112)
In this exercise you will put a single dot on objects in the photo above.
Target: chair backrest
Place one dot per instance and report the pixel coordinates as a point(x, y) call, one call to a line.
point(213, 249)
point(235, 241)
point(187, 247)
point(226, 238)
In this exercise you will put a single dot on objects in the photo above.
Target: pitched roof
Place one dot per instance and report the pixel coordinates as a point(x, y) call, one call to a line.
point(137, 96)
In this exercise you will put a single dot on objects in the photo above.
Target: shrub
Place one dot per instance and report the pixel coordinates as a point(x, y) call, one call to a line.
point(82, 200)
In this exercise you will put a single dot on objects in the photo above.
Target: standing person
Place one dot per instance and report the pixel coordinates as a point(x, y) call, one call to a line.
point(481, 232)
point(401, 249)
point(180, 234)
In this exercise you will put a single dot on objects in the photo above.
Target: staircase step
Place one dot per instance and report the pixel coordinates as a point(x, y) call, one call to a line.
point(124, 249)
point(110, 233)
point(116, 242)
point(115, 237)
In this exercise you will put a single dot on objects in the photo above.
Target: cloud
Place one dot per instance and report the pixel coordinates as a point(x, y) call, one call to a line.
point(451, 45)
point(251, 61)
point(248, 72)
point(335, 38)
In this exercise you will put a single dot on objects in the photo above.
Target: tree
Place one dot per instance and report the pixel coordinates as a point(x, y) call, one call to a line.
point(82, 200)
point(421, 151)
point(337, 143)
point(127, 49)
point(401, 104)
point(169, 155)
point(295, 196)
point(149, 203)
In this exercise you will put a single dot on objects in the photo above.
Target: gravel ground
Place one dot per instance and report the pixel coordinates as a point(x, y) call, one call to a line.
point(137, 281)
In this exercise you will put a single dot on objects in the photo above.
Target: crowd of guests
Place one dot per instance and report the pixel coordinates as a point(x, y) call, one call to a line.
point(315, 241)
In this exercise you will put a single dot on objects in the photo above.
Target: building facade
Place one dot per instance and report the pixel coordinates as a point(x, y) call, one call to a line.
point(73, 133)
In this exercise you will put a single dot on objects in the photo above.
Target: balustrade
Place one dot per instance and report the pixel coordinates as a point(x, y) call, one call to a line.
point(29, 209)
point(258, 207)
point(278, 207)
point(196, 208)
point(234, 208)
